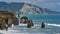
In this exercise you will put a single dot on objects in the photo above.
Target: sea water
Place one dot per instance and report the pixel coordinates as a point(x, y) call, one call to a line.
point(48, 18)
point(52, 25)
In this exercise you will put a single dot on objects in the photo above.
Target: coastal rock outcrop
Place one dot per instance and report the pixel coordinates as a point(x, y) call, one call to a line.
point(15, 21)
point(7, 18)
point(42, 25)
point(24, 19)
point(30, 24)
point(2, 24)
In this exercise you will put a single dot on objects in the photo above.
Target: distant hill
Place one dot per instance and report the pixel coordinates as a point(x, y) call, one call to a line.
point(25, 8)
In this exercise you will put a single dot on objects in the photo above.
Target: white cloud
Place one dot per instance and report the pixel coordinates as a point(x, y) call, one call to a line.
point(58, 3)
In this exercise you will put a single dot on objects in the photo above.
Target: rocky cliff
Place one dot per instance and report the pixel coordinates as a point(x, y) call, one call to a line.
point(25, 8)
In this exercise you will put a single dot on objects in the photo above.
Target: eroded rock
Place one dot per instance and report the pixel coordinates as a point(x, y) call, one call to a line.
point(30, 24)
point(42, 25)
point(24, 19)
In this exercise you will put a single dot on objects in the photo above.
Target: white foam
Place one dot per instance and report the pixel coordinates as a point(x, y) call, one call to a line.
point(10, 31)
point(22, 24)
point(46, 24)
point(54, 25)
point(12, 25)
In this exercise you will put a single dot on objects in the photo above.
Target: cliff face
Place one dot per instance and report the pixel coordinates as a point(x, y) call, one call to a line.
point(8, 18)
point(30, 9)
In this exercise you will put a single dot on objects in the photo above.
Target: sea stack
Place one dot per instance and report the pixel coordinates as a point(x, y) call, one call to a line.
point(42, 25)
point(30, 24)
point(24, 20)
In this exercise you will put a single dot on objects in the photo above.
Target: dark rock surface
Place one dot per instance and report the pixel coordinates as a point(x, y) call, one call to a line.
point(42, 25)
point(30, 24)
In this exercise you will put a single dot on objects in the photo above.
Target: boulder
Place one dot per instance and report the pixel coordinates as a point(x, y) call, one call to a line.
point(30, 24)
point(9, 22)
point(42, 25)
point(24, 19)
point(15, 21)
point(2, 24)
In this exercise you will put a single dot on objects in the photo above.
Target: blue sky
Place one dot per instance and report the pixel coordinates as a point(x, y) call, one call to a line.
point(50, 4)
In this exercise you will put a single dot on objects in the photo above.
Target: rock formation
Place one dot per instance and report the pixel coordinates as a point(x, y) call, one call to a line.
point(42, 25)
point(24, 19)
point(30, 24)
point(15, 21)
point(7, 18)
point(2, 24)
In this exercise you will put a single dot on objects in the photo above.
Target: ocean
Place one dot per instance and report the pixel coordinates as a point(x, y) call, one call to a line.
point(48, 18)
point(52, 22)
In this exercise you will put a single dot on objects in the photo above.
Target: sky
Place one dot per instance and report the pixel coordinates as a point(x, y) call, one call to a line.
point(54, 5)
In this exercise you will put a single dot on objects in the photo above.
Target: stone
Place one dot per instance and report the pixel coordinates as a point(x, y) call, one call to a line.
point(42, 25)
point(30, 24)
point(15, 21)
point(2, 24)
point(24, 19)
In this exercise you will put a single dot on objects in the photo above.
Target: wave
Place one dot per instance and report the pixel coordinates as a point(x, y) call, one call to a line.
point(54, 25)
point(48, 24)
point(22, 24)
point(11, 31)
point(58, 25)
